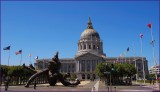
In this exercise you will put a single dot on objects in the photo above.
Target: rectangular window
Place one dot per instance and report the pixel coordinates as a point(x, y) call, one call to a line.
point(89, 46)
point(94, 47)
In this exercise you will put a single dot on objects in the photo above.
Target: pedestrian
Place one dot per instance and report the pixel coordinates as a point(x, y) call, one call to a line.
point(35, 84)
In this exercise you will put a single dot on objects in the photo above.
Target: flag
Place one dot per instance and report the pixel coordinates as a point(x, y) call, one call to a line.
point(141, 35)
point(6, 48)
point(127, 49)
point(36, 57)
point(18, 52)
point(29, 55)
point(149, 25)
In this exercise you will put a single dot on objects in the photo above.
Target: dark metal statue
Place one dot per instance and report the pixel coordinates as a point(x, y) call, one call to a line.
point(52, 73)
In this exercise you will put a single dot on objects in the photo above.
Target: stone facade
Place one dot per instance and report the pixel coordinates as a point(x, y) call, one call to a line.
point(89, 54)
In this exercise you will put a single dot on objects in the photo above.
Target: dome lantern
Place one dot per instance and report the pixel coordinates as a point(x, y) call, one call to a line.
point(89, 24)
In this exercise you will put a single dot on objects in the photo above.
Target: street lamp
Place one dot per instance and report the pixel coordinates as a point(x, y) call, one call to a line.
point(109, 78)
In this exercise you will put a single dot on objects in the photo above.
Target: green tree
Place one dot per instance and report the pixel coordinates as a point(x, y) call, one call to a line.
point(100, 69)
point(117, 71)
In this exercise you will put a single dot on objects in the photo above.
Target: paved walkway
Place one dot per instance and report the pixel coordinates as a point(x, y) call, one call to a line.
point(96, 86)
point(91, 86)
point(131, 88)
point(156, 87)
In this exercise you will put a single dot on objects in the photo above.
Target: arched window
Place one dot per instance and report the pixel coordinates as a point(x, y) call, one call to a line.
point(88, 76)
point(83, 76)
point(84, 46)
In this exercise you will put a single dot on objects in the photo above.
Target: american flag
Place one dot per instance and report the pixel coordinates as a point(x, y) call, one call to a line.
point(18, 52)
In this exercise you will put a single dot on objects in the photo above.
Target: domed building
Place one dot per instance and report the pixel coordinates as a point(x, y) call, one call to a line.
point(90, 42)
point(89, 54)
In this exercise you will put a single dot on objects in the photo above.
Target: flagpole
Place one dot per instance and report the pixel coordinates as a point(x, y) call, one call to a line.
point(128, 54)
point(125, 56)
point(134, 51)
point(152, 43)
point(21, 59)
point(30, 59)
point(129, 58)
point(8, 57)
point(142, 61)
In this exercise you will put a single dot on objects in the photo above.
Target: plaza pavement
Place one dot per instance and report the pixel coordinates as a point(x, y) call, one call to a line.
point(83, 86)
point(90, 86)
point(135, 87)
point(155, 86)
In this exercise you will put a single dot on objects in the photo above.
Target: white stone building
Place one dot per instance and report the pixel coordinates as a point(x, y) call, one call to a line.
point(89, 54)
point(154, 69)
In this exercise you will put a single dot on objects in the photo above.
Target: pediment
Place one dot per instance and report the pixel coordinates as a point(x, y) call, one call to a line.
point(88, 55)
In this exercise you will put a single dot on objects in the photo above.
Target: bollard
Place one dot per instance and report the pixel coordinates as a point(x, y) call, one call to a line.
point(115, 89)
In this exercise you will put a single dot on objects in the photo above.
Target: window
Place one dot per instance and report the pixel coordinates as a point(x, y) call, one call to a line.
point(72, 66)
point(89, 46)
point(68, 66)
point(84, 46)
point(94, 47)
point(80, 47)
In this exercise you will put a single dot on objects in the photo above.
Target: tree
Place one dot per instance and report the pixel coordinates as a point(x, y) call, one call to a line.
point(100, 69)
point(130, 70)
point(117, 71)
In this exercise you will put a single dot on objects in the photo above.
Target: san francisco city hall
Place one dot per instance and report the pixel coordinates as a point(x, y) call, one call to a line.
point(89, 54)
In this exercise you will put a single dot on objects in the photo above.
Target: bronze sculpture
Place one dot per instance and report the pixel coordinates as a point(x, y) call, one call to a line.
point(52, 73)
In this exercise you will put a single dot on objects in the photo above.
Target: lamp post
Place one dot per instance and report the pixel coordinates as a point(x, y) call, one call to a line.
point(109, 79)
point(112, 69)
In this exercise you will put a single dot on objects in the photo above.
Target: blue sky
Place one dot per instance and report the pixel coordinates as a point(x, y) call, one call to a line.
point(44, 27)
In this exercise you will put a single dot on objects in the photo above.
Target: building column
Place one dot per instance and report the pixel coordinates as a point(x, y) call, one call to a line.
point(80, 66)
point(91, 66)
point(85, 76)
point(67, 68)
point(78, 46)
point(85, 63)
